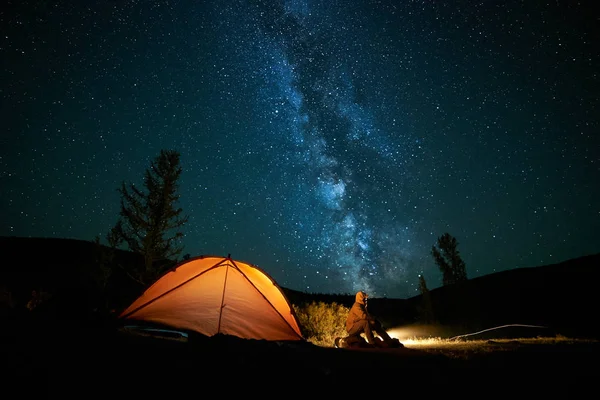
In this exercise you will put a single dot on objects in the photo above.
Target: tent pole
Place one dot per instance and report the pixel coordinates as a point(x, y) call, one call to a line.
point(222, 299)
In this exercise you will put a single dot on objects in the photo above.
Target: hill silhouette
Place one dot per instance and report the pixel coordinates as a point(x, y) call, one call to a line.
point(559, 298)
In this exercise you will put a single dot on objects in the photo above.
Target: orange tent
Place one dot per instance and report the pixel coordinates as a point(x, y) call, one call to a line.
point(212, 295)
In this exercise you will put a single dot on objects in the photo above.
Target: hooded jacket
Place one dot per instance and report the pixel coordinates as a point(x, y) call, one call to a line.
point(358, 311)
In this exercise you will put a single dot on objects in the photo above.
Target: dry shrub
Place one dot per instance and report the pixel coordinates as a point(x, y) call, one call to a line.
point(322, 322)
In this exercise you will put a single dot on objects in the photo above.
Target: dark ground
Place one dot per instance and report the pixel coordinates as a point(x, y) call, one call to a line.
point(74, 358)
point(39, 359)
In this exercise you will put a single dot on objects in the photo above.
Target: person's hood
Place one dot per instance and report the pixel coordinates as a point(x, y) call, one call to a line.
point(360, 297)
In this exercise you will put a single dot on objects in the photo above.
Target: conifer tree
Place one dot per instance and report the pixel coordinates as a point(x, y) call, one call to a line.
point(149, 220)
point(448, 259)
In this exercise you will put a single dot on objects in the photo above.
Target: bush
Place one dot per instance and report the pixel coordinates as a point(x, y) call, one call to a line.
point(322, 322)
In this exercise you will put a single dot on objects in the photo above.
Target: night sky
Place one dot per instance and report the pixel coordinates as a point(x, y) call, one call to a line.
point(328, 142)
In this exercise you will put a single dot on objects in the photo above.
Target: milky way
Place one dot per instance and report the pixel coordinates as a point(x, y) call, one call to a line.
point(328, 142)
point(344, 157)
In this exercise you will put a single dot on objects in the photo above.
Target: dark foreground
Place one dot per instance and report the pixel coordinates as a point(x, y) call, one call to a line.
point(100, 361)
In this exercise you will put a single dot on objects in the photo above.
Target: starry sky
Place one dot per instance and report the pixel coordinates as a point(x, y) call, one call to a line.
point(328, 142)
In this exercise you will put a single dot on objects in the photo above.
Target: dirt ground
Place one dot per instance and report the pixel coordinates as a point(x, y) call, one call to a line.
point(75, 362)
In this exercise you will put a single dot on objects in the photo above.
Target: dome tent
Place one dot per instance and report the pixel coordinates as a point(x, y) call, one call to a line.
point(218, 295)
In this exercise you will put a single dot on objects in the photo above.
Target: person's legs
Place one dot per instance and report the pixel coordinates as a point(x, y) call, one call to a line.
point(387, 339)
point(354, 341)
point(362, 327)
point(378, 329)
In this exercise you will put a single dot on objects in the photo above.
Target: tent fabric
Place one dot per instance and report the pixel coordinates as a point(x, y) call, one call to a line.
point(212, 295)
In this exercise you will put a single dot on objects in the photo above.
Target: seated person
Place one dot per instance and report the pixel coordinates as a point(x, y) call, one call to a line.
point(360, 321)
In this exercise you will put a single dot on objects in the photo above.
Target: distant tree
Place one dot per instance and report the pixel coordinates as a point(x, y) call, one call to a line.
point(426, 307)
point(149, 221)
point(447, 257)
